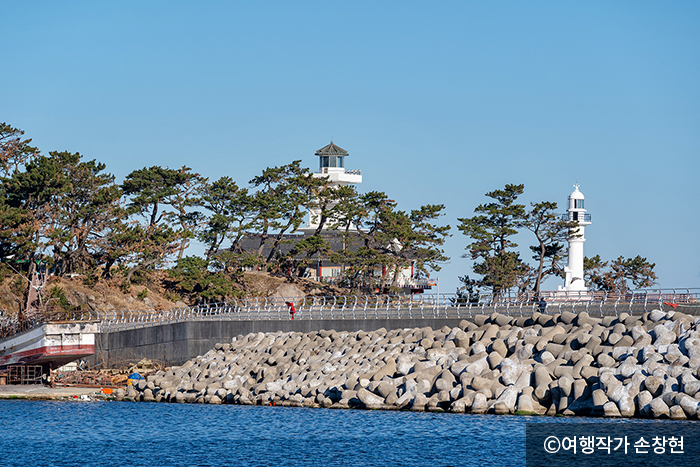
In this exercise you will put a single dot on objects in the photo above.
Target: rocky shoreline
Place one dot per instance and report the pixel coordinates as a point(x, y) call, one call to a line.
point(569, 364)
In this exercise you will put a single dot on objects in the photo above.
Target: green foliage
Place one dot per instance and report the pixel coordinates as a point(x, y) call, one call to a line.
point(304, 253)
point(500, 265)
point(69, 212)
point(56, 298)
point(88, 206)
point(313, 246)
point(468, 292)
point(163, 197)
point(5, 272)
point(19, 286)
point(620, 275)
point(389, 238)
point(231, 210)
point(550, 231)
point(139, 277)
point(14, 150)
point(172, 296)
point(152, 188)
point(279, 204)
point(210, 281)
point(17, 236)
point(412, 238)
point(91, 278)
point(142, 295)
point(58, 203)
point(491, 230)
point(333, 205)
point(371, 216)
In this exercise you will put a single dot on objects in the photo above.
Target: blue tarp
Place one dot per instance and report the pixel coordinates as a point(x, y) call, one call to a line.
point(135, 375)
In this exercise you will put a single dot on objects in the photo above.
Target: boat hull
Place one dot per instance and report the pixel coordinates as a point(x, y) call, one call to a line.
point(51, 345)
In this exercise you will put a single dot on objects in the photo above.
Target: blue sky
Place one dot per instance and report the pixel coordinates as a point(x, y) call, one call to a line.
point(436, 102)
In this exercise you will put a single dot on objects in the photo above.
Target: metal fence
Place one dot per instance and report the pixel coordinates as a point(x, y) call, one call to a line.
point(358, 307)
point(9, 326)
point(405, 307)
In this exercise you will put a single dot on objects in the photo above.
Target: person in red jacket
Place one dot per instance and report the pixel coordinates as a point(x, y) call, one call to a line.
point(291, 308)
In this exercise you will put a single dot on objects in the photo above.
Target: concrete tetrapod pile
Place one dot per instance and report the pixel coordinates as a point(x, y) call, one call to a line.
point(571, 364)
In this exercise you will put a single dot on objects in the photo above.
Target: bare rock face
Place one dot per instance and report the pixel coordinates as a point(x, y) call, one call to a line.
point(288, 290)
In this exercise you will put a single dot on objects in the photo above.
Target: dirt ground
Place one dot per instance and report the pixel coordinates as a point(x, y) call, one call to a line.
point(153, 294)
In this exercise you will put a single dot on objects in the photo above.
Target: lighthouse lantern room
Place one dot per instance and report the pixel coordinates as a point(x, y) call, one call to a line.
point(576, 213)
point(332, 168)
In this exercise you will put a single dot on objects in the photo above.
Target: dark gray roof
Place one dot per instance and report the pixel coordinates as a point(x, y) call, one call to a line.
point(251, 241)
point(332, 150)
point(337, 241)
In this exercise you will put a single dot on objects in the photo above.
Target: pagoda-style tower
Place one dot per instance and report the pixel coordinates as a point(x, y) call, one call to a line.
point(574, 270)
point(331, 166)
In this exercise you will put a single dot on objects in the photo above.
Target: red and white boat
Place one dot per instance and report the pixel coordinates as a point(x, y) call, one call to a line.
point(52, 344)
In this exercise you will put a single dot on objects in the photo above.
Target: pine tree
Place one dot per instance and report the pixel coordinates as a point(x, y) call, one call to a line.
point(550, 230)
point(492, 247)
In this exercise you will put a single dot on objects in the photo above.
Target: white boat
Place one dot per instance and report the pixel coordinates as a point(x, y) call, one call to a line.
point(51, 344)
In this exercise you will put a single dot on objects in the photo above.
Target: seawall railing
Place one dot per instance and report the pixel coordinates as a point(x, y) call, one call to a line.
point(358, 307)
point(9, 326)
point(406, 307)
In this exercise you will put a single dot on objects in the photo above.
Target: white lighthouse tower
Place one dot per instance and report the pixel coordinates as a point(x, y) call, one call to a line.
point(332, 167)
point(576, 213)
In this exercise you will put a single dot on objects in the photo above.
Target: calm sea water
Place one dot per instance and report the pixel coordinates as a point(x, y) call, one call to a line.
point(140, 434)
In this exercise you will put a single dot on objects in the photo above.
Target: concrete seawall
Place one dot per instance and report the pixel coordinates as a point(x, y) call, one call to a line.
point(562, 364)
point(174, 344)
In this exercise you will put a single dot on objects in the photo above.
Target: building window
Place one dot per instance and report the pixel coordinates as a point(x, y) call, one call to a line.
point(340, 161)
point(324, 161)
point(578, 204)
point(330, 271)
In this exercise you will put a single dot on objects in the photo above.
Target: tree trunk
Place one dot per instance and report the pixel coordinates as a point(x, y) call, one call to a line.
point(277, 242)
point(154, 214)
point(106, 274)
point(538, 282)
point(138, 267)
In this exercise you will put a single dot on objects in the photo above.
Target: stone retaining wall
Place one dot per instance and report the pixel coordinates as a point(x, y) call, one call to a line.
point(570, 364)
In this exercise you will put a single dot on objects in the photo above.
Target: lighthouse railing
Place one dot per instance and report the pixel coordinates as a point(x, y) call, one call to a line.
point(569, 216)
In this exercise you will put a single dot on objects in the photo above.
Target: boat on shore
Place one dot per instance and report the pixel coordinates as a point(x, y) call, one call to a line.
point(50, 344)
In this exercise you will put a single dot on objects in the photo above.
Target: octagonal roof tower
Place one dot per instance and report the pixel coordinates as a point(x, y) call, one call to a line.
point(331, 165)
